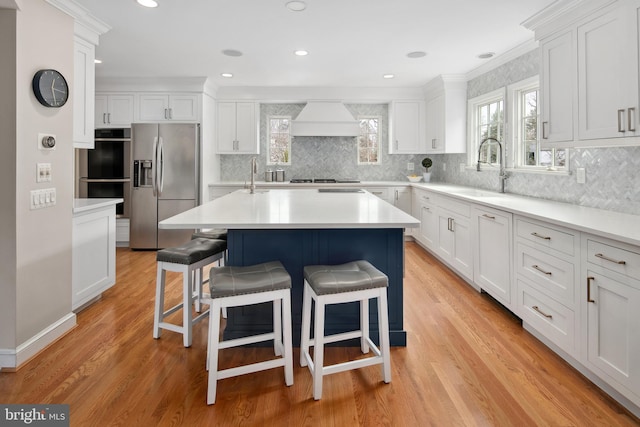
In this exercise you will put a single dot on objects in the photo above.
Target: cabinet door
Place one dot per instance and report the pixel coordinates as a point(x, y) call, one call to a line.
point(558, 87)
point(120, 110)
point(154, 108)
point(402, 198)
point(83, 94)
point(101, 110)
point(602, 79)
point(183, 107)
point(435, 125)
point(492, 254)
point(226, 127)
point(462, 256)
point(428, 232)
point(612, 334)
point(246, 128)
point(407, 128)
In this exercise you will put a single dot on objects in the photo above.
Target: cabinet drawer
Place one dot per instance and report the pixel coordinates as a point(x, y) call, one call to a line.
point(552, 319)
point(424, 197)
point(551, 275)
point(381, 192)
point(546, 236)
point(460, 208)
point(614, 258)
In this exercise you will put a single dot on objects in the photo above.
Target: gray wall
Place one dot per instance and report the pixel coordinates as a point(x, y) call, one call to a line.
point(323, 157)
point(613, 181)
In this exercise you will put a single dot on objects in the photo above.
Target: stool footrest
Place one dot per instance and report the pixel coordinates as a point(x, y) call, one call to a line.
point(236, 342)
point(341, 337)
point(353, 364)
point(249, 369)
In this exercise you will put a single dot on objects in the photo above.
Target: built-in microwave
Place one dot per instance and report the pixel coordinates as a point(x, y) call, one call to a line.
point(103, 172)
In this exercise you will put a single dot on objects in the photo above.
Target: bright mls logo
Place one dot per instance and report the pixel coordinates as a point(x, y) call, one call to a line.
point(35, 415)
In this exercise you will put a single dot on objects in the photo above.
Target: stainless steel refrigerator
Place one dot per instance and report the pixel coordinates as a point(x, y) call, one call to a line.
point(165, 181)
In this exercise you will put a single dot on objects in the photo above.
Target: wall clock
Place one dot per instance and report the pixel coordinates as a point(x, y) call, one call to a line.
point(50, 88)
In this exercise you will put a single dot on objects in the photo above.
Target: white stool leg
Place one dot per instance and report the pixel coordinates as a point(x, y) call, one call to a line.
point(383, 327)
point(187, 317)
point(158, 315)
point(197, 283)
point(212, 350)
point(364, 325)
point(306, 324)
point(277, 327)
point(288, 347)
point(318, 348)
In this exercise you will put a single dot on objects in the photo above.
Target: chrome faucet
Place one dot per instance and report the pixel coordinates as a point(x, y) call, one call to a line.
point(254, 171)
point(503, 174)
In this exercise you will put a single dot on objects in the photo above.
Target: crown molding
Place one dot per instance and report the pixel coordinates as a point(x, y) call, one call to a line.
point(10, 4)
point(86, 26)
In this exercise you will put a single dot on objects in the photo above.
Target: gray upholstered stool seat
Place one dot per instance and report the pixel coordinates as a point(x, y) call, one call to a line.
point(215, 233)
point(240, 286)
point(352, 276)
point(193, 251)
point(337, 284)
point(188, 259)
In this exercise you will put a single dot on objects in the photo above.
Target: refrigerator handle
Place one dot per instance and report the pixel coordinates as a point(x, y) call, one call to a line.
point(154, 166)
point(160, 164)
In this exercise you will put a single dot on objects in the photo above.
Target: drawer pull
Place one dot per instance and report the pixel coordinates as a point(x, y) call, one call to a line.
point(540, 236)
point(536, 308)
point(488, 216)
point(589, 279)
point(606, 258)
point(548, 273)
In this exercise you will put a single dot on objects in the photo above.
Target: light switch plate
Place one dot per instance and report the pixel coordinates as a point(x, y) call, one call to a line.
point(410, 166)
point(581, 175)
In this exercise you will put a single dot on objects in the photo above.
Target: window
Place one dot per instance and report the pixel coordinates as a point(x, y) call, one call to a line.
point(528, 153)
point(369, 140)
point(486, 120)
point(279, 140)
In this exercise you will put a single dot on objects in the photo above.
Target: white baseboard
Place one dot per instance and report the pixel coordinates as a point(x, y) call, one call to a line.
point(13, 358)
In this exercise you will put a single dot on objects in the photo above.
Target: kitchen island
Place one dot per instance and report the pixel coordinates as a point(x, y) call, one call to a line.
point(306, 227)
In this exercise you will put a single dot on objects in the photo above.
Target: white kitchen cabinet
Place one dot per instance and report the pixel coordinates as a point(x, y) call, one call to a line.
point(93, 254)
point(493, 253)
point(401, 198)
point(611, 298)
point(382, 192)
point(113, 110)
point(217, 192)
point(83, 93)
point(446, 101)
point(122, 232)
point(238, 124)
point(162, 107)
point(407, 127)
point(454, 239)
point(425, 209)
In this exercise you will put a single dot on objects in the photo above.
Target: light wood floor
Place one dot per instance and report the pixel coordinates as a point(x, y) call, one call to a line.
point(468, 362)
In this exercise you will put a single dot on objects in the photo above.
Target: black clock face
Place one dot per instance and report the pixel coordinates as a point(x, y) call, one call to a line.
point(50, 88)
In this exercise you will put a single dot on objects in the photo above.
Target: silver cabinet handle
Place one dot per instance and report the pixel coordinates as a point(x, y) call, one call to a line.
point(631, 119)
point(425, 198)
point(540, 236)
point(450, 224)
point(589, 279)
point(536, 308)
point(396, 195)
point(544, 130)
point(488, 216)
point(433, 143)
point(621, 120)
point(166, 111)
point(536, 267)
point(606, 258)
point(104, 118)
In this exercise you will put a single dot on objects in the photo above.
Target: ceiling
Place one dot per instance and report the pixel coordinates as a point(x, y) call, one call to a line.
point(351, 43)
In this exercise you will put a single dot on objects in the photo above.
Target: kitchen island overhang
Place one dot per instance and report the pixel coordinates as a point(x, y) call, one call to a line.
point(305, 227)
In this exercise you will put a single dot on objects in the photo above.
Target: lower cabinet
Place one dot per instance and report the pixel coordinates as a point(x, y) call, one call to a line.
point(424, 208)
point(93, 254)
point(454, 238)
point(493, 253)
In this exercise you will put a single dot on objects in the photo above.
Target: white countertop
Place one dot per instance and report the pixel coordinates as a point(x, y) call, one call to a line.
point(615, 225)
point(287, 184)
point(84, 205)
point(293, 208)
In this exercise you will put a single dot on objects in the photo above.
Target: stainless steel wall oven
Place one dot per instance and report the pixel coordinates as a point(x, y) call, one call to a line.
point(104, 170)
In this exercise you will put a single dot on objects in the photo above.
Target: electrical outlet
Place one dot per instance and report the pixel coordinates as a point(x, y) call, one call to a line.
point(43, 172)
point(581, 175)
point(444, 167)
point(410, 166)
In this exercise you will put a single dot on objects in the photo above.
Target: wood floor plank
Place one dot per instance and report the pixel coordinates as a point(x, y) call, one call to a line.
point(468, 363)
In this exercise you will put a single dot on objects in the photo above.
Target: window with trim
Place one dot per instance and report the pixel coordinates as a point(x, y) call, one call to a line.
point(279, 140)
point(528, 153)
point(369, 140)
point(486, 120)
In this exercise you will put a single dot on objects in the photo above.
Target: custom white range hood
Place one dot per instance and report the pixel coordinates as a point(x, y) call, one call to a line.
point(325, 118)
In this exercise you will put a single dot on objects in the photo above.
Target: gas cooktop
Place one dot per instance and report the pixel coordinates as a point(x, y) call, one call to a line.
point(323, 180)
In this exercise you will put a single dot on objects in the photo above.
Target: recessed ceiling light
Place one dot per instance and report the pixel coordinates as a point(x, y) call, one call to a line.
point(416, 54)
point(301, 52)
point(227, 75)
point(231, 52)
point(296, 6)
point(147, 3)
point(486, 55)
point(97, 61)
point(388, 76)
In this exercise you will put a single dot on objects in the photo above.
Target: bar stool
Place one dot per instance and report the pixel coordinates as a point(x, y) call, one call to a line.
point(187, 259)
point(238, 286)
point(335, 284)
point(217, 234)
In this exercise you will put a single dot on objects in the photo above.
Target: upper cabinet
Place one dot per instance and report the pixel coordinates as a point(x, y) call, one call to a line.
point(160, 107)
point(83, 93)
point(406, 129)
point(589, 72)
point(113, 110)
point(446, 102)
point(238, 127)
